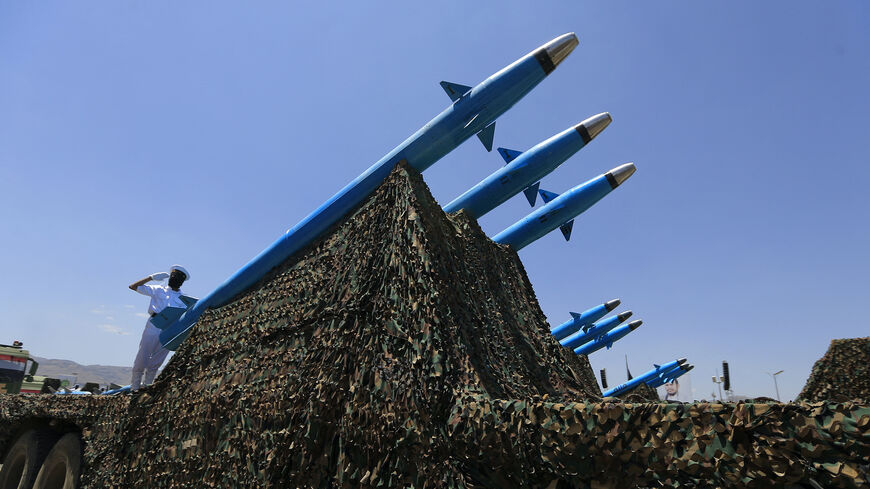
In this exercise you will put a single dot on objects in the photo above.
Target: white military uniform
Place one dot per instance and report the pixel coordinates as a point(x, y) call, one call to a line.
point(151, 352)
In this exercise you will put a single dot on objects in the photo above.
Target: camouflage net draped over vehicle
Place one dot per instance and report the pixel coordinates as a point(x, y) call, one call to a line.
point(504, 443)
point(408, 350)
point(843, 374)
point(659, 444)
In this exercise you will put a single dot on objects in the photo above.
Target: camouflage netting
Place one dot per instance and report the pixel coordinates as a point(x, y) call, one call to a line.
point(408, 350)
point(641, 393)
point(498, 443)
point(843, 374)
point(613, 445)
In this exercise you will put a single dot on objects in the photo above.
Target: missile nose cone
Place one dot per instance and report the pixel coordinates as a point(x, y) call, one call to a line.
point(611, 305)
point(690, 367)
point(681, 361)
point(551, 54)
point(624, 315)
point(559, 48)
point(620, 174)
point(593, 126)
point(634, 324)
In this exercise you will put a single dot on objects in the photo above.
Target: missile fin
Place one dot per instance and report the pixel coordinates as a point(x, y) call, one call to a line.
point(486, 135)
point(657, 366)
point(609, 345)
point(575, 315)
point(454, 90)
point(547, 195)
point(509, 154)
point(531, 193)
point(566, 229)
point(167, 316)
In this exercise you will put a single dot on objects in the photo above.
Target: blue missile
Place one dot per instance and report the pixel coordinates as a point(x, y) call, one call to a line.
point(595, 331)
point(523, 171)
point(607, 339)
point(584, 319)
point(670, 377)
point(663, 375)
point(473, 111)
point(119, 390)
point(560, 210)
point(631, 384)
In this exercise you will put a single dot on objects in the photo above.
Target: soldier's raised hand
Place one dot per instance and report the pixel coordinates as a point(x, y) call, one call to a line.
point(159, 276)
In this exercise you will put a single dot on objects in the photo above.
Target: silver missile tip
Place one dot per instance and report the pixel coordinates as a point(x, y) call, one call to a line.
point(634, 324)
point(681, 361)
point(620, 174)
point(559, 48)
point(624, 315)
point(611, 305)
point(594, 125)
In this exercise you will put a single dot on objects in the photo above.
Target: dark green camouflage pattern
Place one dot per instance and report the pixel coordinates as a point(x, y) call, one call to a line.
point(843, 374)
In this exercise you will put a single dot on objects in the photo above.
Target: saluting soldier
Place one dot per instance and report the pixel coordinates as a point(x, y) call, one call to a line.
point(151, 353)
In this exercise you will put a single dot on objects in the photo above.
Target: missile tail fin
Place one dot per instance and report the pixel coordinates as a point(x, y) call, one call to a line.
point(167, 316)
point(509, 154)
point(486, 135)
point(575, 315)
point(531, 193)
point(454, 90)
point(566, 229)
point(547, 195)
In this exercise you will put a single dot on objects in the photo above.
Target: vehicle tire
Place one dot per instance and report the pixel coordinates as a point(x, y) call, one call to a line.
point(23, 460)
point(62, 466)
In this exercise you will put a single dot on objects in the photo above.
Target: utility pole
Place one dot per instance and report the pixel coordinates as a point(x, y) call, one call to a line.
point(718, 381)
point(775, 385)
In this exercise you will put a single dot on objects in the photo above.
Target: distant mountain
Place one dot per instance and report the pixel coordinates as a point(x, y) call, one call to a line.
point(67, 369)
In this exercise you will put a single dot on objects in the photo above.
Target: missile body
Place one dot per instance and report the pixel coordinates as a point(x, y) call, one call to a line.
point(607, 339)
point(524, 170)
point(664, 374)
point(119, 390)
point(473, 111)
point(584, 319)
point(670, 377)
point(595, 331)
point(562, 209)
point(631, 384)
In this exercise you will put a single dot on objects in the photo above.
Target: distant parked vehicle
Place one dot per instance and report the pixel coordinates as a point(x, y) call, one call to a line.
point(18, 371)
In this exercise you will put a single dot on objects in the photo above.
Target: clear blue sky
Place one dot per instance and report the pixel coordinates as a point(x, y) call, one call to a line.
point(134, 135)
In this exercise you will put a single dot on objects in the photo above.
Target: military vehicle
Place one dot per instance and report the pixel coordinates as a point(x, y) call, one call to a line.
point(18, 371)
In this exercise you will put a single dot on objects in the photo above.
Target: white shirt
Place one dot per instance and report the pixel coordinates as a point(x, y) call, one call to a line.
point(162, 296)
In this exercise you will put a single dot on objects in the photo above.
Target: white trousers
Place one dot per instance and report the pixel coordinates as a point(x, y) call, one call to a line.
point(150, 357)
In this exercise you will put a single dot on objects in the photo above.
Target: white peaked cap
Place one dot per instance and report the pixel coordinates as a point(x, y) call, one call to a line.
point(180, 269)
